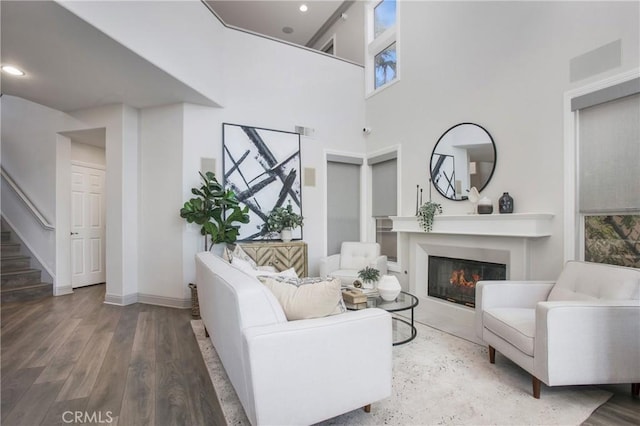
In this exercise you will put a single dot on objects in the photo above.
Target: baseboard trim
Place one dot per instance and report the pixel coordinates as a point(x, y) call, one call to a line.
point(61, 291)
point(114, 299)
point(171, 302)
point(149, 299)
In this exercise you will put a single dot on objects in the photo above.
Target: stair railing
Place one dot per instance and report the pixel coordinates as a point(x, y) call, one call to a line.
point(27, 202)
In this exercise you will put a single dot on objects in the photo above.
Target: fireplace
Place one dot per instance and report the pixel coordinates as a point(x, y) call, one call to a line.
point(455, 280)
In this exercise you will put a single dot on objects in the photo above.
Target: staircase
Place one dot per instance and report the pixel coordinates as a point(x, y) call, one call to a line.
point(19, 281)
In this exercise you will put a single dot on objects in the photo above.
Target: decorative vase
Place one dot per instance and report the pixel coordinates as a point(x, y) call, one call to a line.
point(389, 287)
point(286, 235)
point(505, 204)
point(485, 206)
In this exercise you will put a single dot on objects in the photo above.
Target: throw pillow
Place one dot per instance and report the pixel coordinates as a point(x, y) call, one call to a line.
point(239, 253)
point(262, 271)
point(319, 299)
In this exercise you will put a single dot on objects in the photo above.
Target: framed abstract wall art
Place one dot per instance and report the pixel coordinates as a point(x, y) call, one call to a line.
point(262, 167)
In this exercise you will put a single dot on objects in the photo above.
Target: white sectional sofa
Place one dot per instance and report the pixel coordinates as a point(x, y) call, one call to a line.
point(291, 372)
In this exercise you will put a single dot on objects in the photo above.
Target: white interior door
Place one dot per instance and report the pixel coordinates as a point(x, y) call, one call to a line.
point(87, 226)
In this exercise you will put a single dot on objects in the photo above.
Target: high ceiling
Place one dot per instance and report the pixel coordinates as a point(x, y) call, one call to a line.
point(71, 65)
point(271, 17)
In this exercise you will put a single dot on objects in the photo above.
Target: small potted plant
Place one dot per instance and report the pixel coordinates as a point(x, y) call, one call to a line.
point(426, 213)
point(283, 220)
point(369, 276)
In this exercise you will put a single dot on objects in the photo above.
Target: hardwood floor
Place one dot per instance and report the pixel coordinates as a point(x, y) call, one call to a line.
point(74, 355)
point(133, 365)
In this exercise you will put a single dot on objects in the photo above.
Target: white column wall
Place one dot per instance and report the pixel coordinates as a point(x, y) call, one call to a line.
point(121, 150)
point(160, 225)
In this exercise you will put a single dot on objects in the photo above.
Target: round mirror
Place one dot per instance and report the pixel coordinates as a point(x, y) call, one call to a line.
point(464, 157)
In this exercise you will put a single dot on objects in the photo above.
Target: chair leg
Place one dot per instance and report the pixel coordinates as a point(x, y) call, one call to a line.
point(492, 355)
point(536, 387)
point(635, 389)
point(367, 408)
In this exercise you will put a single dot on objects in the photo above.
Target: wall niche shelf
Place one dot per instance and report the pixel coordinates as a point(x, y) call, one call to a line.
point(523, 225)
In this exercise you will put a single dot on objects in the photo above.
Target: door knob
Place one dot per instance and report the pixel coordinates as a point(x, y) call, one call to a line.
point(74, 233)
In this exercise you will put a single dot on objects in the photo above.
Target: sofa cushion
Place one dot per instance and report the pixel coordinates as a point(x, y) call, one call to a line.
point(305, 299)
point(591, 281)
point(515, 325)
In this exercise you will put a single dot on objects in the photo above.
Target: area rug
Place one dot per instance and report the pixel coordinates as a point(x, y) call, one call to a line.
point(442, 379)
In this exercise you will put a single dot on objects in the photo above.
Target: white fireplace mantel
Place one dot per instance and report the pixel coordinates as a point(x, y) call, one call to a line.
point(523, 225)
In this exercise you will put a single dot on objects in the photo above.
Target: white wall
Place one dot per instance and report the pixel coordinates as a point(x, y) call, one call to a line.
point(349, 34)
point(276, 86)
point(505, 66)
point(160, 226)
point(85, 153)
point(181, 37)
point(28, 145)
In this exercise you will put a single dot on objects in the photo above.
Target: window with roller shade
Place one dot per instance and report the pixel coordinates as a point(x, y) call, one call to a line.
point(609, 174)
point(384, 193)
point(343, 200)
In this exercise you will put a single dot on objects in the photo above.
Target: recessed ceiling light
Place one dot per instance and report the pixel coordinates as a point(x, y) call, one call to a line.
point(287, 30)
point(303, 8)
point(12, 70)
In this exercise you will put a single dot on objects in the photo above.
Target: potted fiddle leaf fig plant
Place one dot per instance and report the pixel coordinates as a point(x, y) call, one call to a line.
point(217, 210)
point(283, 220)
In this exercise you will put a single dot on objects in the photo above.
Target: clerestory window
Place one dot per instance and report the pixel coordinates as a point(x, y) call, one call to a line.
point(382, 45)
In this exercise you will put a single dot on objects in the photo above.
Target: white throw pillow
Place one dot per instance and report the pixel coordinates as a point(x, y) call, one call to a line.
point(316, 300)
point(239, 253)
point(242, 264)
point(258, 272)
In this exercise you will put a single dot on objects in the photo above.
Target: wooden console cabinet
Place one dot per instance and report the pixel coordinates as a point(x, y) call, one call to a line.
point(279, 255)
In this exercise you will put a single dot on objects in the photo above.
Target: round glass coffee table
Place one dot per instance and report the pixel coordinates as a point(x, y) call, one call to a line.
point(403, 330)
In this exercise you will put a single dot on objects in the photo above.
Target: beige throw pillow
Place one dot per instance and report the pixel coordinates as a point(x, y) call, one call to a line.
point(308, 300)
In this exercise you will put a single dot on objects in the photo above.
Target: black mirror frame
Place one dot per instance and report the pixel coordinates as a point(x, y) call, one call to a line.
point(495, 160)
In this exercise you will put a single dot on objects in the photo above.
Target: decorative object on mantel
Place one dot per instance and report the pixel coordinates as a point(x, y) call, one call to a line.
point(426, 213)
point(389, 287)
point(283, 220)
point(474, 197)
point(485, 206)
point(216, 210)
point(369, 276)
point(505, 203)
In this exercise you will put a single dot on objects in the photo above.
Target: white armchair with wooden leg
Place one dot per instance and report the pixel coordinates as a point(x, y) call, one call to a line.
point(582, 329)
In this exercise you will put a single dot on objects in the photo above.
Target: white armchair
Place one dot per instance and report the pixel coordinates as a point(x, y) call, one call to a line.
point(582, 329)
point(353, 257)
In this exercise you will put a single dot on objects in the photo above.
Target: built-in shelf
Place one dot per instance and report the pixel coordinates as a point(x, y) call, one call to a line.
point(524, 225)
